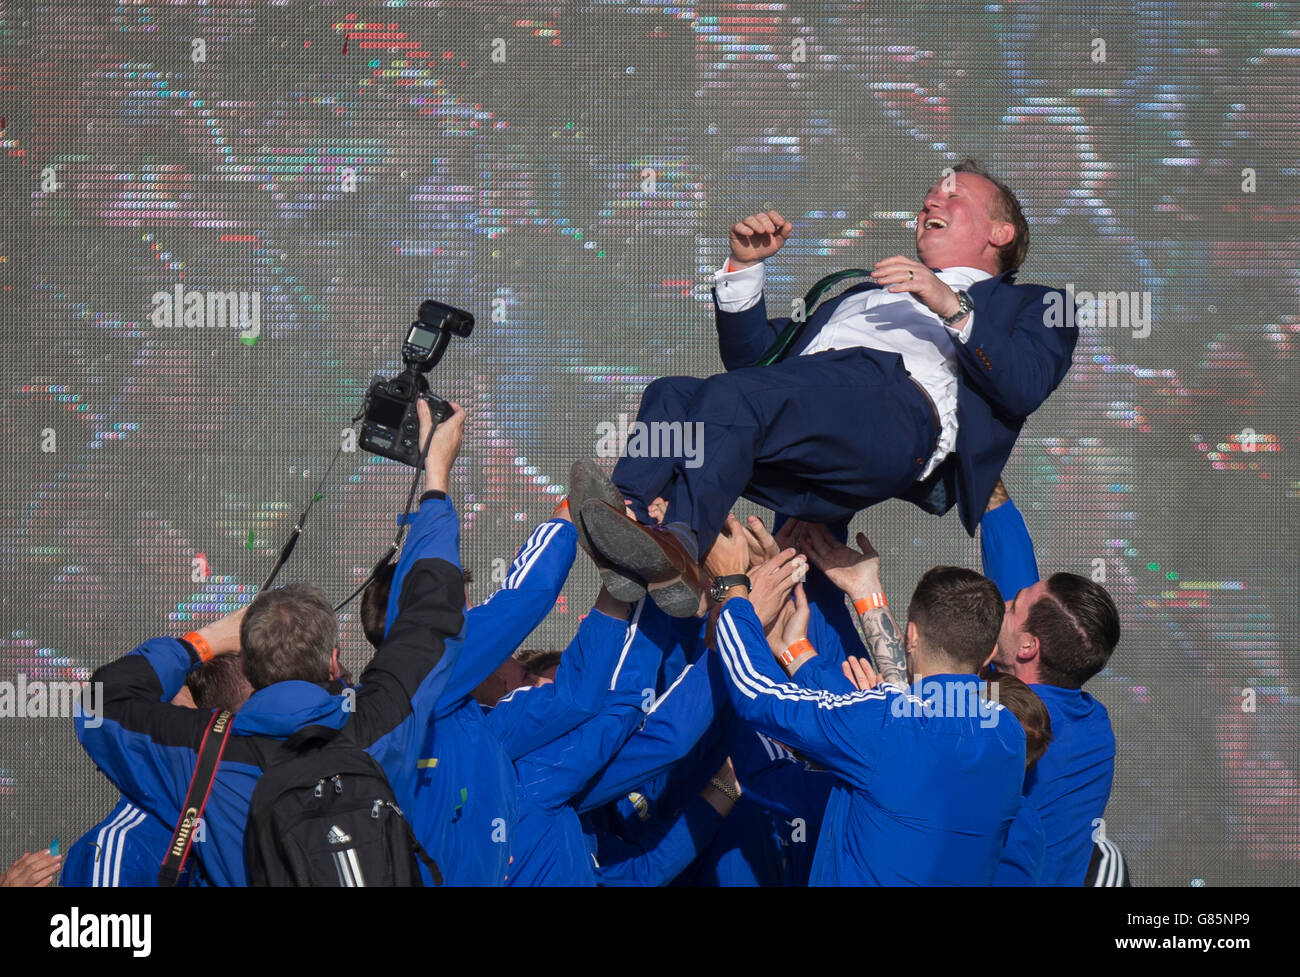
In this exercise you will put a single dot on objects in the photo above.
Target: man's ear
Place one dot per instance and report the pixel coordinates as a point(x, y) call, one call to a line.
point(1002, 234)
point(992, 654)
point(910, 637)
point(336, 670)
point(1027, 651)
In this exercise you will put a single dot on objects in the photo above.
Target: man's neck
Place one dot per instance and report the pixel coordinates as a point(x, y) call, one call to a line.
point(927, 667)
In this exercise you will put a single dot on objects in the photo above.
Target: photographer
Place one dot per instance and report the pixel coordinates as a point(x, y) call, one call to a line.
point(126, 848)
point(148, 747)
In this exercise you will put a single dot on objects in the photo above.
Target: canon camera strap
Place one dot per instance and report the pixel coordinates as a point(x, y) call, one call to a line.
point(205, 772)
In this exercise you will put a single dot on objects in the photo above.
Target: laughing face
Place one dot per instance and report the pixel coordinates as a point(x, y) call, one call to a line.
point(956, 227)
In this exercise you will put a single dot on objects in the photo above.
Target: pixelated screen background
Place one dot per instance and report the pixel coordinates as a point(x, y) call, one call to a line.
point(568, 172)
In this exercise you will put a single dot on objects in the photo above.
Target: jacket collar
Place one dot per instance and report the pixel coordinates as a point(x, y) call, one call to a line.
point(281, 709)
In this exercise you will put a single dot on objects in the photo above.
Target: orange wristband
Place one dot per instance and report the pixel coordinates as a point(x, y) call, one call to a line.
point(800, 647)
point(870, 603)
point(200, 645)
point(562, 506)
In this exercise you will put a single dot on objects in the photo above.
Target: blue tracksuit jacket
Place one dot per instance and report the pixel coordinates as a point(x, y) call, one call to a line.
point(124, 849)
point(922, 798)
point(1022, 858)
point(1070, 786)
point(549, 845)
point(465, 808)
point(664, 765)
point(147, 747)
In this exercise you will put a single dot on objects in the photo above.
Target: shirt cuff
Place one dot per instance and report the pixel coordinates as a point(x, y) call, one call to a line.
point(738, 290)
point(963, 334)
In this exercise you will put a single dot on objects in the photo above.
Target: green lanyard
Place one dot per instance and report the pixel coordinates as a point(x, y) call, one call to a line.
point(788, 335)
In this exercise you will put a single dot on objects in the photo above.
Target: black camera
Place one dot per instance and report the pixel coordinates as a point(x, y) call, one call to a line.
point(389, 424)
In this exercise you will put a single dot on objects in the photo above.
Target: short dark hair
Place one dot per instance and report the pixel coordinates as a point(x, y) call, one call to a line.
point(958, 613)
point(374, 604)
point(220, 683)
point(537, 661)
point(1012, 254)
point(1077, 627)
point(288, 633)
point(374, 601)
point(1026, 706)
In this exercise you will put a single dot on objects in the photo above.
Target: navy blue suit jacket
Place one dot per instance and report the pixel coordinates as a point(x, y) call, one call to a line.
point(1009, 365)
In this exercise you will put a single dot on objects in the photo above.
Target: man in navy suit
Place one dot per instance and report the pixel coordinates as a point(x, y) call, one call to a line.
point(914, 385)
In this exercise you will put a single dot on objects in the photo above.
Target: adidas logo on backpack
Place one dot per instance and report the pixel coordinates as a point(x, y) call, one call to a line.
point(323, 813)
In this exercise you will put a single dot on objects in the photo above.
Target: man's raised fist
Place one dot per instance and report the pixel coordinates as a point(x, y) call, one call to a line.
point(758, 236)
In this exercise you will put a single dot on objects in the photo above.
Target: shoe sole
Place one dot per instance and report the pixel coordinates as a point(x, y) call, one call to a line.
point(676, 599)
point(586, 482)
point(611, 532)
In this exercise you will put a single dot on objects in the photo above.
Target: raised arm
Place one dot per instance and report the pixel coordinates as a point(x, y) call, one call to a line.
point(839, 731)
point(857, 573)
point(744, 331)
point(402, 683)
point(590, 668)
point(497, 627)
point(141, 742)
point(554, 773)
point(672, 727)
point(1006, 550)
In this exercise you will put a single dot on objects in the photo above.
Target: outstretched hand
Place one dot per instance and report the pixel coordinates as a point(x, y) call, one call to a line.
point(443, 447)
point(762, 547)
point(860, 673)
point(773, 581)
point(856, 573)
point(729, 553)
point(34, 869)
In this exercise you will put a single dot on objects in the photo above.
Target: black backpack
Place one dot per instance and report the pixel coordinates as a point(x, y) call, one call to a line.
point(323, 814)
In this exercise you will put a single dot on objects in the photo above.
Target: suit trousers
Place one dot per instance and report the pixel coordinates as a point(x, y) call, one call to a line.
point(816, 437)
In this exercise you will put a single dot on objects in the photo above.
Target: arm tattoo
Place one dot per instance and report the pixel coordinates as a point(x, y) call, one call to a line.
point(885, 644)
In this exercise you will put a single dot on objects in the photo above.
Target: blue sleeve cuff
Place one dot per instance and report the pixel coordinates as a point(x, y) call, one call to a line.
point(1007, 550)
point(172, 660)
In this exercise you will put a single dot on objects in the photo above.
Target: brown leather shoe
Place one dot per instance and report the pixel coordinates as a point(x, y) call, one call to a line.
point(588, 482)
point(656, 554)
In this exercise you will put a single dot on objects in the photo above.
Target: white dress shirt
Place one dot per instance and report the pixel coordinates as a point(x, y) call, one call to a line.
point(895, 322)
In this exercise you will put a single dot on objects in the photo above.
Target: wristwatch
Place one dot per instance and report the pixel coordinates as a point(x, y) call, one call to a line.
point(964, 307)
point(722, 584)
